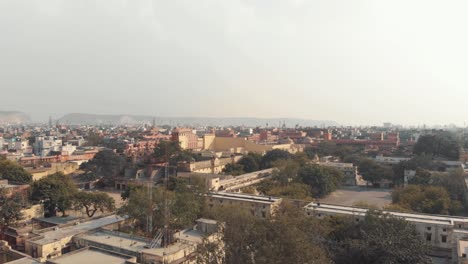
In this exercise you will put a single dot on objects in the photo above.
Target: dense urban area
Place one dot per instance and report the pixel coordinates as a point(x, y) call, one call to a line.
point(150, 193)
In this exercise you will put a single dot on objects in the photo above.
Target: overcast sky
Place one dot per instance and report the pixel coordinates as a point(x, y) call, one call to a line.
point(355, 62)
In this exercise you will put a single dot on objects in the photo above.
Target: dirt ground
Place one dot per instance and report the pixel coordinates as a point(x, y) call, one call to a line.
point(352, 195)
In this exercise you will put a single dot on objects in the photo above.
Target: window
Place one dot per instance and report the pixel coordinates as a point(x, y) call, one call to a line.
point(444, 239)
point(428, 237)
point(429, 228)
point(463, 255)
point(264, 214)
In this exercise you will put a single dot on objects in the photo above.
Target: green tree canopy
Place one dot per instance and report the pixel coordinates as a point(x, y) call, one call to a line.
point(184, 201)
point(106, 163)
point(289, 238)
point(233, 169)
point(57, 191)
point(166, 150)
point(12, 171)
point(322, 180)
point(93, 202)
point(374, 172)
point(438, 145)
point(273, 155)
point(249, 163)
point(379, 238)
point(423, 199)
point(10, 208)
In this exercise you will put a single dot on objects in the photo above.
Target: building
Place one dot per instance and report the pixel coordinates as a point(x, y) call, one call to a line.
point(213, 166)
point(18, 144)
point(259, 206)
point(55, 241)
point(350, 172)
point(182, 250)
point(91, 255)
point(11, 256)
point(44, 145)
point(187, 138)
point(244, 146)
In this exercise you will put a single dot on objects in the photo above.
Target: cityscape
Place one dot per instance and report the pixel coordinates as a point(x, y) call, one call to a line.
point(233, 132)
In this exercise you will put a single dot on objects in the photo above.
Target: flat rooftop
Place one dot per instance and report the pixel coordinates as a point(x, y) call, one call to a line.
point(116, 240)
point(91, 256)
point(60, 233)
point(138, 244)
point(245, 197)
point(413, 217)
point(57, 220)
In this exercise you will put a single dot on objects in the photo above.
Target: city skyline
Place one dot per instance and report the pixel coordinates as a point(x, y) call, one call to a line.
point(356, 63)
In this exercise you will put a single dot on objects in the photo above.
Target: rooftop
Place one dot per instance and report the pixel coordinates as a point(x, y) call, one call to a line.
point(245, 197)
point(91, 256)
point(60, 233)
point(412, 217)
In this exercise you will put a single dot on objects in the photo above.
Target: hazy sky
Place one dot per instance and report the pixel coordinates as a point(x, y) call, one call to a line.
point(355, 62)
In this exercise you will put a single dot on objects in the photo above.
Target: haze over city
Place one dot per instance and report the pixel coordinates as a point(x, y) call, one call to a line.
point(354, 62)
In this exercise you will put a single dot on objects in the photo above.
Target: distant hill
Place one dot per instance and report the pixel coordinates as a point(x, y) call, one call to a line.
point(13, 117)
point(94, 119)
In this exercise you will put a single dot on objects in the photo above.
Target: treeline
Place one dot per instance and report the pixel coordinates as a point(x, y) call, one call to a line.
point(291, 237)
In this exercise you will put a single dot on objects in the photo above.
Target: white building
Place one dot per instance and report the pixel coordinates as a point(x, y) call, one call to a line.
point(44, 145)
point(67, 149)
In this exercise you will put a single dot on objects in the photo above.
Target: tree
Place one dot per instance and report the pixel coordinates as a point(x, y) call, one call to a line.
point(422, 177)
point(438, 145)
point(14, 172)
point(273, 155)
point(106, 163)
point(380, 238)
point(211, 251)
point(288, 238)
point(184, 202)
point(249, 163)
point(93, 202)
point(285, 171)
point(165, 150)
point(422, 199)
point(453, 182)
point(10, 208)
point(374, 172)
point(322, 180)
point(57, 191)
point(233, 169)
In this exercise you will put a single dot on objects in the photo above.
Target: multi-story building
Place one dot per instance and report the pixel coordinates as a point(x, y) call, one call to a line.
point(44, 145)
point(259, 206)
point(18, 144)
point(187, 138)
